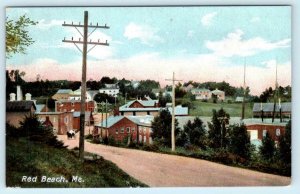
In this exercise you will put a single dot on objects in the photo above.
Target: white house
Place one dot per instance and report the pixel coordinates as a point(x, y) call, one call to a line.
point(201, 93)
point(110, 89)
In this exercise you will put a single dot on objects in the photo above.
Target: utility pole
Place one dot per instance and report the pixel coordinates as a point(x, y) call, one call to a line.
point(275, 95)
point(84, 52)
point(173, 110)
point(244, 95)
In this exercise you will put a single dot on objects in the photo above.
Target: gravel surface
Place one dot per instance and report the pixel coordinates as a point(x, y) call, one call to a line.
point(163, 170)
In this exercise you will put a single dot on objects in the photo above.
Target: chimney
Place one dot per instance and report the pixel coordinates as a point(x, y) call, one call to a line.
point(12, 96)
point(19, 93)
point(27, 96)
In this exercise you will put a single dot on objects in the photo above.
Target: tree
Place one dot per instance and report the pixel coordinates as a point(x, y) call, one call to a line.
point(196, 132)
point(101, 97)
point(17, 37)
point(285, 144)
point(218, 134)
point(240, 141)
point(161, 126)
point(267, 149)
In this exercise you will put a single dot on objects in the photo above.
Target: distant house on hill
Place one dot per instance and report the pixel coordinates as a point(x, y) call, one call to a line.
point(16, 111)
point(188, 87)
point(239, 99)
point(220, 94)
point(122, 127)
point(110, 89)
point(62, 94)
point(164, 92)
point(201, 93)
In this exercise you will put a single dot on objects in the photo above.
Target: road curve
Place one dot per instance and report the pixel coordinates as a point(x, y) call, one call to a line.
point(163, 170)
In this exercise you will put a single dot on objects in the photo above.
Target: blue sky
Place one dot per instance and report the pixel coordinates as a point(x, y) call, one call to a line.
point(197, 43)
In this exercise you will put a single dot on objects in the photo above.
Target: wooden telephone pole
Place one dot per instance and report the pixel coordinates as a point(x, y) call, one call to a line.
point(84, 52)
point(173, 110)
point(275, 96)
point(244, 94)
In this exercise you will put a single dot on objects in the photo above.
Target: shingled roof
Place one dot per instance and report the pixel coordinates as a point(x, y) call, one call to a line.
point(19, 106)
point(268, 107)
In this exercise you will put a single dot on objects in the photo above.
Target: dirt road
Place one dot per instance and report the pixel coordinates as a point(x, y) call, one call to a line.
point(162, 170)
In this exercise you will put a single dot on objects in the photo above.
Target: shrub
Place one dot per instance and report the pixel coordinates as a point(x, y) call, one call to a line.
point(89, 136)
point(111, 141)
point(150, 147)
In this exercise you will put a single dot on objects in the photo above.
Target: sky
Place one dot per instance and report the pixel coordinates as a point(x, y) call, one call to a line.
point(202, 44)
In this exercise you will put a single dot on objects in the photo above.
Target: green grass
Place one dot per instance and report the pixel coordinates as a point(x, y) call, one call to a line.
point(234, 109)
point(26, 158)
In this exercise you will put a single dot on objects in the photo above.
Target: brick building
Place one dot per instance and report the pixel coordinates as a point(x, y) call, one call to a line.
point(61, 121)
point(73, 106)
point(89, 120)
point(121, 127)
point(140, 108)
point(16, 111)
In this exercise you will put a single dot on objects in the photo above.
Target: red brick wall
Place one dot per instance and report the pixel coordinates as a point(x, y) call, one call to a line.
point(76, 123)
point(67, 106)
point(270, 128)
point(126, 123)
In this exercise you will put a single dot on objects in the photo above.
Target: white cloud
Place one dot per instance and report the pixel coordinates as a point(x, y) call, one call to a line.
point(208, 18)
point(147, 34)
point(234, 45)
point(190, 33)
point(45, 25)
point(255, 19)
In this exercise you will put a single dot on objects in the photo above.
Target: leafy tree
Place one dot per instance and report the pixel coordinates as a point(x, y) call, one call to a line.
point(33, 129)
point(161, 126)
point(218, 134)
point(100, 97)
point(163, 100)
point(17, 37)
point(240, 141)
point(267, 149)
point(285, 144)
point(196, 132)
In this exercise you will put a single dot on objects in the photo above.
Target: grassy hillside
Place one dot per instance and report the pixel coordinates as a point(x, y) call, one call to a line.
point(234, 109)
point(29, 158)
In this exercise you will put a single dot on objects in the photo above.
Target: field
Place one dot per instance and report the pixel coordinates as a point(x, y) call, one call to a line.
point(234, 109)
point(26, 158)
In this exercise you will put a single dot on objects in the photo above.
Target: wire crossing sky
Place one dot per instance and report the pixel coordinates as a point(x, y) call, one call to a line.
point(209, 43)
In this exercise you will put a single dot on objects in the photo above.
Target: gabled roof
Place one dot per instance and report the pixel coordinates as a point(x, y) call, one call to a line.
point(39, 107)
point(179, 110)
point(19, 106)
point(268, 107)
point(64, 91)
point(87, 115)
point(200, 90)
point(216, 91)
point(139, 120)
point(148, 106)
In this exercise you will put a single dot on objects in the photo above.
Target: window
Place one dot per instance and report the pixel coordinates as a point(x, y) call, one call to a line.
point(148, 112)
point(128, 129)
point(132, 129)
point(264, 133)
point(66, 119)
point(117, 131)
point(122, 130)
point(72, 103)
point(140, 129)
point(277, 132)
point(54, 119)
point(134, 114)
point(144, 129)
